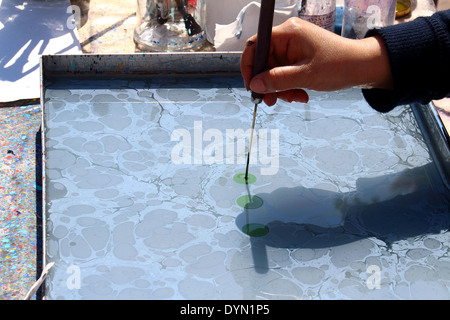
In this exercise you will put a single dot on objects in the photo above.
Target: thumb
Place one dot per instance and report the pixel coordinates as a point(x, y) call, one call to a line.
point(277, 79)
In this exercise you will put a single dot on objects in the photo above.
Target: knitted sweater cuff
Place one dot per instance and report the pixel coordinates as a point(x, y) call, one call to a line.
point(413, 50)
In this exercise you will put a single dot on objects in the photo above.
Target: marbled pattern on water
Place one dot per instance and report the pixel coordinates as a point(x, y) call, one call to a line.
point(128, 217)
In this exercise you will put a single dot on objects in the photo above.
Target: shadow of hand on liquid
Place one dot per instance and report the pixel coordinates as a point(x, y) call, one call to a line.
point(389, 208)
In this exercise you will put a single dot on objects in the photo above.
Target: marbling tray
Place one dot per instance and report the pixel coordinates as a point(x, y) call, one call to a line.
point(143, 198)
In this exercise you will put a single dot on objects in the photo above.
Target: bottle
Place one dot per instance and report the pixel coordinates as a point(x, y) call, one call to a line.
point(319, 12)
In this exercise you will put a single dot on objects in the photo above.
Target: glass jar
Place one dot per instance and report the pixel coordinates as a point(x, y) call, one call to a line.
point(319, 12)
point(170, 25)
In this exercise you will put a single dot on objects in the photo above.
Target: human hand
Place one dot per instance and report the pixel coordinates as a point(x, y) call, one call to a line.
point(305, 56)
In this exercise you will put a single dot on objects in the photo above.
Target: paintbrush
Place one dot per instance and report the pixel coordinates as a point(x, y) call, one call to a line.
point(261, 58)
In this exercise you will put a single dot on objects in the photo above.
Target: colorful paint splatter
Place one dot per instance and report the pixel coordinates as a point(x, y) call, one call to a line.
point(18, 241)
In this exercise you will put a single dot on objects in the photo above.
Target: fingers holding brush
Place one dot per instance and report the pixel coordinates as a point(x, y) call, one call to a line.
point(305, 56)
point(256, 84)
point(247, 59)
point(268, 82)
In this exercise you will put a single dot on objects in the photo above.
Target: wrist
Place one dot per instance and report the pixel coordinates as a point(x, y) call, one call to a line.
point(372, 67)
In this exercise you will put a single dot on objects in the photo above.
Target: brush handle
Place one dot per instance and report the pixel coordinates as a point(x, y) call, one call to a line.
point(263, 42)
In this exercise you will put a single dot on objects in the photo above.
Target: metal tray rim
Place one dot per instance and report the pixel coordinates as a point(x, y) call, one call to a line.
point(96, 65)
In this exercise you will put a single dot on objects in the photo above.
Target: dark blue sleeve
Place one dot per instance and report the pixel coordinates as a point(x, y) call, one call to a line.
point(419, 56)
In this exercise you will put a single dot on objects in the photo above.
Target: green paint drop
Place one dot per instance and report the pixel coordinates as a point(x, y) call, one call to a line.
point(252, 202)
point(240, 178)
point(255, 229)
